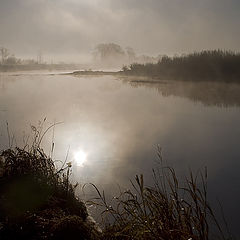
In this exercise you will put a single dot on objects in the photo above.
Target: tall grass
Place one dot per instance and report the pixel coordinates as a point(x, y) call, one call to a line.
point(37, 200)
point(164, 211)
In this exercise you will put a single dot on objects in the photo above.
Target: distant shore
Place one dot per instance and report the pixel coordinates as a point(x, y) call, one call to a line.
point(96, 73)
point(214, 66)
point(32, 67)
point(211, 66)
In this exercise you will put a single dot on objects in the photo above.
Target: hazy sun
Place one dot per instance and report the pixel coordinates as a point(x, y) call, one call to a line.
point(80, 158)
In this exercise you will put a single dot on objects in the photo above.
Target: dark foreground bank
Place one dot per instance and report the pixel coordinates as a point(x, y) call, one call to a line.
point(37, 201)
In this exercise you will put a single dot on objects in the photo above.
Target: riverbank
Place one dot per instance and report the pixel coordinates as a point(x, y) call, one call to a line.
point(216, 65)
point(38, 201)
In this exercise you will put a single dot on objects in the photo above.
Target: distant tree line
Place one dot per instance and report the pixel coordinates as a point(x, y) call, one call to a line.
point(8, 62)
point(205, 65)
point(7, 58)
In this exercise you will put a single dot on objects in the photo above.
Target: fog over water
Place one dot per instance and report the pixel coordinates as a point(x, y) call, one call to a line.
point(69, 30)
point(109, 127)
point(118, 125)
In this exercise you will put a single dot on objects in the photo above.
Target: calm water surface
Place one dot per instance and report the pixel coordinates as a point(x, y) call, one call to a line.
point(115, 126)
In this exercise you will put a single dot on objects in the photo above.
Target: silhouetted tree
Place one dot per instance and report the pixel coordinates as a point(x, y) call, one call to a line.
point(106, 51)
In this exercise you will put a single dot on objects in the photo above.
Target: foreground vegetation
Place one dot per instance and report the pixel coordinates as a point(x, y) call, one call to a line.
point(205, 65)
point(166, 210)
point(38, 201)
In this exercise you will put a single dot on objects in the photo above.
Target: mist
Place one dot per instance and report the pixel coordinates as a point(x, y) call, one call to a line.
point(69, 30)
point(106, 92)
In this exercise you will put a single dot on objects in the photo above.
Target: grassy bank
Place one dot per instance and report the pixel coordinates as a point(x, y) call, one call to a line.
point(37, 201)
point(214, 65)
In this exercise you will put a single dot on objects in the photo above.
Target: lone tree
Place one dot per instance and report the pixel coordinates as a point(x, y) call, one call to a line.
point(108, 52)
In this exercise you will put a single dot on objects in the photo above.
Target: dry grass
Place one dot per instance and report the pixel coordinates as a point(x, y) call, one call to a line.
point(165, 211)
point(37, 200)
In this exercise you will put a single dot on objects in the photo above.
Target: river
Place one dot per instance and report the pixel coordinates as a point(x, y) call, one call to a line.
point(112, 127)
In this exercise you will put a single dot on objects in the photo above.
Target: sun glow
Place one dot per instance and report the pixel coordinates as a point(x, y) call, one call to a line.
point(80, 158)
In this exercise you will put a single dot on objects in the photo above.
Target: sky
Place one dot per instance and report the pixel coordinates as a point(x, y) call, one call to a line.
point(70, 29)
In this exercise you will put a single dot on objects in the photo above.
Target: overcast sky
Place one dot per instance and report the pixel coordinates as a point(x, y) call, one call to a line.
point(71, 28)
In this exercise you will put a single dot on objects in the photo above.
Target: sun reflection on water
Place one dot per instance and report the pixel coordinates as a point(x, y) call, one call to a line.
point(80, 158)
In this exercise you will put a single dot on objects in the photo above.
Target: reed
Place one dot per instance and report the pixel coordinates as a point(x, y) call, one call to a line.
point(164, 211)
point(38, 201)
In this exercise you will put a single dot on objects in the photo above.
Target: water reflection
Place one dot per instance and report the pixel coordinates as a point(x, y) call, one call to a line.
point(113, 129)
point(208, 93)
point(80, 158)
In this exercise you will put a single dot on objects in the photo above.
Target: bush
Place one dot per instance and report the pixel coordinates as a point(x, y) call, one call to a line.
point(36, 199)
